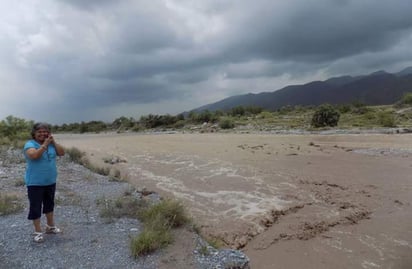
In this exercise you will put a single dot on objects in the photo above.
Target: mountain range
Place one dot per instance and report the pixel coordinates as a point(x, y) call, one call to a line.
point(378, 88)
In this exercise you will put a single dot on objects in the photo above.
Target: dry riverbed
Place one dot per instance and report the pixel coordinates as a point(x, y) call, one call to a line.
point(287, 201)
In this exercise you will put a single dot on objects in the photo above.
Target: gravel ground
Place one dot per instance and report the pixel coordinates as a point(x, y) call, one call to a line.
point(87, 241)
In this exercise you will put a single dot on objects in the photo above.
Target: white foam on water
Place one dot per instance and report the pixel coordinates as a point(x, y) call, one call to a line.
point(398, 242)
point(337, 244)
point(369, 264)
point(287, 184)
point(224, 171)
point(243, 204)
point(178, 174)
point(163, 182)
point(372, 243)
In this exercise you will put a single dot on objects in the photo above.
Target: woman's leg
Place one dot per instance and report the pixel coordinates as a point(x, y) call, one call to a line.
point(50, 219)
point(37, 225)
point(48, 204)
point(35, 194)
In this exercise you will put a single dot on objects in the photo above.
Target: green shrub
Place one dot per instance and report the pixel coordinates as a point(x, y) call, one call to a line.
point(149, 240)
point(158, 219)
point(13, 130)
point(386, 119)
point(170, 211)
point(154, 121)
point(226, 123)
point(179, 124)
point(325, 115)
point(360, 110)
point(265, 115)
point(406, 99)
point(204, 116)
point(345, 108)
point(237, 111)
point(137, 128)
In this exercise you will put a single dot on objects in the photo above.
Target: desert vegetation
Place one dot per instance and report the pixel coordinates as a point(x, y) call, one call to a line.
point(79, 157)
point(10, 204)
point(343, 116)
point(325, 115)
point(13, 130)
point(158, 219)
point(406, 100)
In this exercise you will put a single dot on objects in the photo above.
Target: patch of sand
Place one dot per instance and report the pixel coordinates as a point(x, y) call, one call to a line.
point(289, 201)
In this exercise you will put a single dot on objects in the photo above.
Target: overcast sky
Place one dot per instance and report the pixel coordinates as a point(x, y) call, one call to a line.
point(67, 61)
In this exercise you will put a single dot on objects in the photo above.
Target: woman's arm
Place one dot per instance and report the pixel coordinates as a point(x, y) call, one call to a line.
point(59, 149)
point(33, 153)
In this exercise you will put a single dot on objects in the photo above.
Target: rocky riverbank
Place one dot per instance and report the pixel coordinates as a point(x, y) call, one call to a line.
point(88, 240)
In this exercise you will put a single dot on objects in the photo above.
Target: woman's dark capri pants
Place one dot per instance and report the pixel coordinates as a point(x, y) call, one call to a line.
point(40, 196)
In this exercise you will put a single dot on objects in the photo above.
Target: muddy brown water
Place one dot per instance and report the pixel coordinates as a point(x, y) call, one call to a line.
point(288, 201)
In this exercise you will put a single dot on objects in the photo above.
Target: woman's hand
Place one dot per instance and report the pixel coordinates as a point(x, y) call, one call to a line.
point(49, 140)
point(59, 149)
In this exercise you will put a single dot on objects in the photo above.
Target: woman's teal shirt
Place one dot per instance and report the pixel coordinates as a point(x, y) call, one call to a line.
point(41, 171)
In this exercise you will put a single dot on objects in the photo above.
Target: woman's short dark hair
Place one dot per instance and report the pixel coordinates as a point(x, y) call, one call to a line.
point(39, 125)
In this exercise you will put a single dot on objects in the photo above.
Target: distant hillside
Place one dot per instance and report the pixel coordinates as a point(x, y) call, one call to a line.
point(378, 88)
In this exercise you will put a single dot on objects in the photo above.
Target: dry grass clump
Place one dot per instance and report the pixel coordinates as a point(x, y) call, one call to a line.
point(104, 171)
point(116, 175)
point(9, 204)
point(76, 155)
point(79, 157)
point(125, 206)
point(19, 182)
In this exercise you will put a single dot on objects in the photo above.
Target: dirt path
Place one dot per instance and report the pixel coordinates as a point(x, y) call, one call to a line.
point(289, 201)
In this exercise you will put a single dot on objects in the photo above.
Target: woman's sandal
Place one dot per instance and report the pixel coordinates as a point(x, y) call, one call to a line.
point(52, 230)
point(38, 237)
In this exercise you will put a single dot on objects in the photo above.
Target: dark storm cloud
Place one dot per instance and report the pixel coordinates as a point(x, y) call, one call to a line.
point(89, 4)
point(129, 66)
point(132, 91)
point(92, 55)
point(322, 30)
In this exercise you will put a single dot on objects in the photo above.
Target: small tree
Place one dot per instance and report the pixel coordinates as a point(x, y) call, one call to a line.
point(226, 123)
point(407, 98)
point(15, 128)
point(325, 115)
point(237, 111)
point(387, 119)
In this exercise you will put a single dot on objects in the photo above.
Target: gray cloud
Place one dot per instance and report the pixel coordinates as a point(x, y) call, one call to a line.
point(87, 59)
point(321, 30)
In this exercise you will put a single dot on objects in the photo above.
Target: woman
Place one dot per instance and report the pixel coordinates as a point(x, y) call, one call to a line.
point(41, 174)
